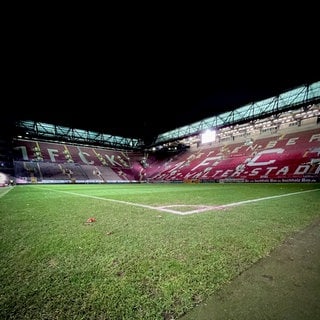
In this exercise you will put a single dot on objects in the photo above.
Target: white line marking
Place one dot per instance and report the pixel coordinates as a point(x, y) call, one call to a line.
point(202, 208)
point(6, 191)
point(233, 204)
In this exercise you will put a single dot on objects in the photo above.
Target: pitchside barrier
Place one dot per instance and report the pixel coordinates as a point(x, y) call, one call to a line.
point(192, 181)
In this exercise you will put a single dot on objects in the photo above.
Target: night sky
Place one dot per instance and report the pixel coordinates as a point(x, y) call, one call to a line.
point(135, 83)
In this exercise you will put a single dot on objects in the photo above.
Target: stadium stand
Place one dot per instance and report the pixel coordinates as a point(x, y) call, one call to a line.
point(288, 153)
point(280, 157)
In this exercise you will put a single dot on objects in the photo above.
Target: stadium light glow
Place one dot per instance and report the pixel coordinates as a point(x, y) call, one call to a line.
point(208, 136)
point(4, 180)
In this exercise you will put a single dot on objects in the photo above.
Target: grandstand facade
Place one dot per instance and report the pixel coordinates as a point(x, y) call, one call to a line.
point(275, 140)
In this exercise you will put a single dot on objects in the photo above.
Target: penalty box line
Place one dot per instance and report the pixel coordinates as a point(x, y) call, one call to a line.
point(201, 208)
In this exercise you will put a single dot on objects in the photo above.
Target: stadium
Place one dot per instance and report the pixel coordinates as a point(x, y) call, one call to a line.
point(267, 141)
point(100, 226)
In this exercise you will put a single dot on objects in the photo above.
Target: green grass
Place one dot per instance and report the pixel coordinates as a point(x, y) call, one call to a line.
point(136, 262)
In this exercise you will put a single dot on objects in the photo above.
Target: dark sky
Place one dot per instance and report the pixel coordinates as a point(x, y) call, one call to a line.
point(139, 82)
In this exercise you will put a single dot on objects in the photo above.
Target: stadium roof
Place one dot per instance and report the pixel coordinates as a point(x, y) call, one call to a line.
point(300, 97)
point(148, 111)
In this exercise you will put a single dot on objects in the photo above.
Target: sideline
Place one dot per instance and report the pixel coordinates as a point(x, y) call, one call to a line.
point(201, 208)
point(6, 190)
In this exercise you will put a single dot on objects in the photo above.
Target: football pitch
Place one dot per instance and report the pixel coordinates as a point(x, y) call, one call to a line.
point(138, 251)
